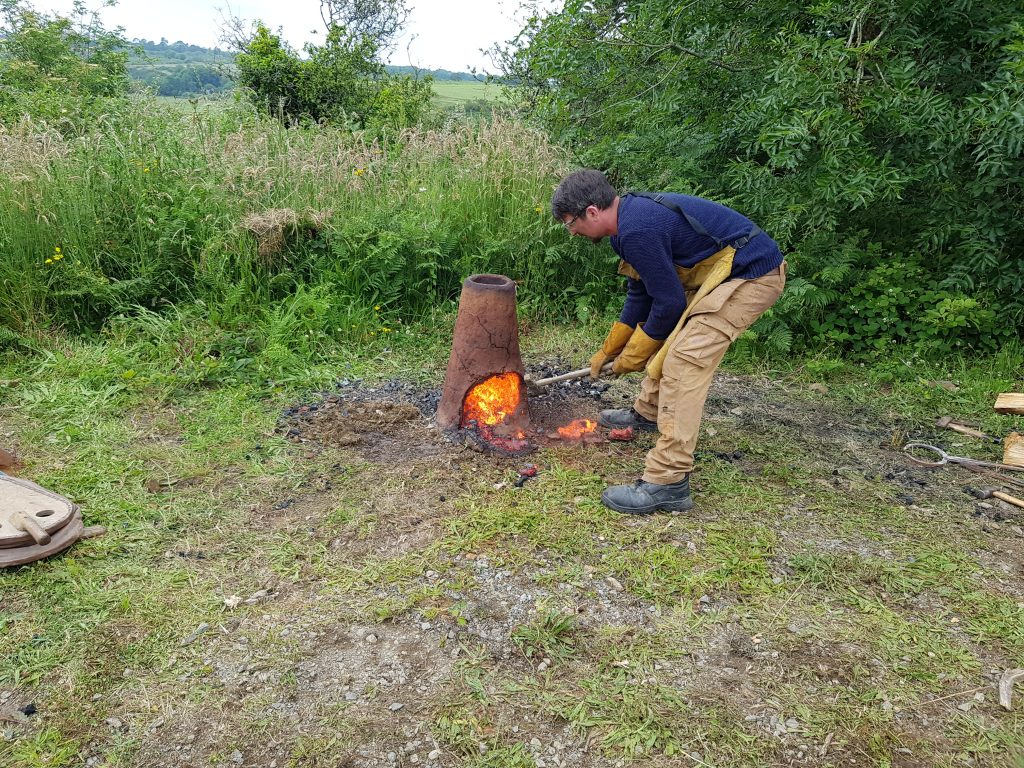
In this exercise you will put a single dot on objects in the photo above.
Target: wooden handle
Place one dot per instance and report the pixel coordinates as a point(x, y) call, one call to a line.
point(969, 431)
point(607, 368)
point(31, 527)
point(92, 531)
point(1008, 499)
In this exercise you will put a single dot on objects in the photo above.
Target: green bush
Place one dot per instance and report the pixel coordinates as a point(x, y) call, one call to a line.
point(57, 68)
point(340, 81)
point(896, 303)
point(154, 208)
point(858, 135)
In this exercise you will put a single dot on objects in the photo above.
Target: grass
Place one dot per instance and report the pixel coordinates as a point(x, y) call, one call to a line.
point(301, 231)
point(806, 605)
point(850, 611)
point(448, 94)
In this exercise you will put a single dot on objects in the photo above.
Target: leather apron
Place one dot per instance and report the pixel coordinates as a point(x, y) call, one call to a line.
point(698, 281)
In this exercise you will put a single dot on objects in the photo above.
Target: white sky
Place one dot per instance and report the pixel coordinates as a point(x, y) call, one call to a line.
point(440, 34)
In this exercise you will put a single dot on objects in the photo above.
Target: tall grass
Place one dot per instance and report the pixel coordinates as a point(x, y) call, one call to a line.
point(234, 213)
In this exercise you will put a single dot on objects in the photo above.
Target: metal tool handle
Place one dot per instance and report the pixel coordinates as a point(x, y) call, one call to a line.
point(988, 464)
point(943, 456)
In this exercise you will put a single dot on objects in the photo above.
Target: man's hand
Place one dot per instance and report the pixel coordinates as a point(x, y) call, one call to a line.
point(617, 338)
point(636, 353)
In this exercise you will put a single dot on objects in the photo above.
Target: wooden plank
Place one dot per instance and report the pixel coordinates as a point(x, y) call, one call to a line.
point(1010, 402)
point(1013, 450)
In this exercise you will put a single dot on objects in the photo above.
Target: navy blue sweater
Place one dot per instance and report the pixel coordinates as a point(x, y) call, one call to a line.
point(653, 239)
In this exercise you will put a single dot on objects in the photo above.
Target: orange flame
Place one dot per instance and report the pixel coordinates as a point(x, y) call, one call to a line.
point(577, 428)
point(493, 401)
point(491, 405)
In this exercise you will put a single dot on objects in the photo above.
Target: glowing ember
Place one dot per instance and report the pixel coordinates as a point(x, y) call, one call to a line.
point(626, 433)
point(577, 428)
point(493, 401)
point(494, 407)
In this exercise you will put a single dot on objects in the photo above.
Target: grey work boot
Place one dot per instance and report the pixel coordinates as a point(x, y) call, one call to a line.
point(642, 498)
point(620, 418)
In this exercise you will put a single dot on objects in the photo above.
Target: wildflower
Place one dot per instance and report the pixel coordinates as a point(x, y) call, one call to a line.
point(538, 209)
point(377, 308)
point(145, 170)
point(385, 330)
point(359, 171)
point(48, 261)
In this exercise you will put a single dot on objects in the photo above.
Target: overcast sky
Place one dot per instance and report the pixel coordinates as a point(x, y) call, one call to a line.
point(441, 34)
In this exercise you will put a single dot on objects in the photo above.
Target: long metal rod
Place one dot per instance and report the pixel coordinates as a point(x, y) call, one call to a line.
point(569, 376)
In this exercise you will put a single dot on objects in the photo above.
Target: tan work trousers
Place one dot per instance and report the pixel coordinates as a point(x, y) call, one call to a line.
point(676, 401)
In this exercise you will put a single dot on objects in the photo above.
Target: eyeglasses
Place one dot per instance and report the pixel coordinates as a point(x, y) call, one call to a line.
point(570, 222)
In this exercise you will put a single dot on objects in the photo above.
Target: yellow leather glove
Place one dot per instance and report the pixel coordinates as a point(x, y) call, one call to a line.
point(636, 353)
point(617, 338)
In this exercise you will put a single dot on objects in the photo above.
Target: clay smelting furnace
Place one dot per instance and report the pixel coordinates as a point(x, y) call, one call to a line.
point(483, 388)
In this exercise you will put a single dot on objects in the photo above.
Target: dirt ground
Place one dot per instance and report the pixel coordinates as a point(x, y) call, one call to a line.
point(411, 626)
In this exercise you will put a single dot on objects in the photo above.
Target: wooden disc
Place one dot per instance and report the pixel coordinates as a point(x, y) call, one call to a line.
point(61, 540)
point(50, 511)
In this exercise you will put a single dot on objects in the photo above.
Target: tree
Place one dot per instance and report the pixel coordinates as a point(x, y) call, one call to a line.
point(271, 70)
point(47, 62)
point(861, 135)
point(379, 20)
point(342, 80)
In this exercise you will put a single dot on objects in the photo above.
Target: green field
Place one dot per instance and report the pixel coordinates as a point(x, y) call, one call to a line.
point(454, 93)
point(447, 94)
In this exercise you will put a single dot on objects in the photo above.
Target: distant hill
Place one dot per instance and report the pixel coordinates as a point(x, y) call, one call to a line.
point(184, 70)
point(180, 69)
point(437, 74)
point(183, 52)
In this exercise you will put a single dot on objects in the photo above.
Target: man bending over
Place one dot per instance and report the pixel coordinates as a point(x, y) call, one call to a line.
point(698, 275)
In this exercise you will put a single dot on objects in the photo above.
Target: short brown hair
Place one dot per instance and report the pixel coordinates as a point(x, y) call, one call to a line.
point(580, 190)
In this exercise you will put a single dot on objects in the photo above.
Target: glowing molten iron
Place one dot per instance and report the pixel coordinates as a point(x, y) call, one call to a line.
point(490, 405)
point(577, 428)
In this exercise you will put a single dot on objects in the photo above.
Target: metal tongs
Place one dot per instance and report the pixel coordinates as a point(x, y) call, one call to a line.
point(975, 465)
